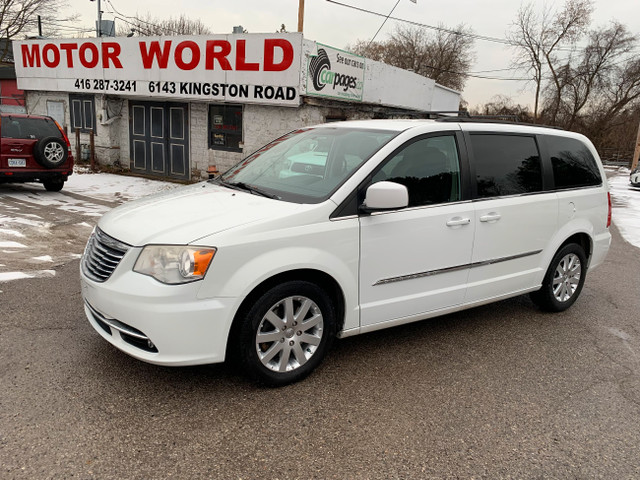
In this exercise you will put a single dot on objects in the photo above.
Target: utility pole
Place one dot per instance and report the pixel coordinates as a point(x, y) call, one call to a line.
point(300, 15)
point(99, 24)
point(636, 154)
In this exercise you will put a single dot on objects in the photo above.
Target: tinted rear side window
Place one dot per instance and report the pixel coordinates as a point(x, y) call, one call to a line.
point(572, 162)
point(29, 128)
point(506, 165)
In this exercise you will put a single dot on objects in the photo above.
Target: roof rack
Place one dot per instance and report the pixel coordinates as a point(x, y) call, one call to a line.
point(463, 116)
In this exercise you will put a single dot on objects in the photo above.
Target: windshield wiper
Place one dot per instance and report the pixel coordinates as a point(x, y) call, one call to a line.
point(248, 188)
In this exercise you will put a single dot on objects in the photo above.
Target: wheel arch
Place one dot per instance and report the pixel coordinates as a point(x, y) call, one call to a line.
point(317, 277)
point(584, 240)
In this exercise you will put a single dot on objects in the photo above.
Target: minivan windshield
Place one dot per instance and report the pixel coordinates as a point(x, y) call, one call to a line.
point(306, 165)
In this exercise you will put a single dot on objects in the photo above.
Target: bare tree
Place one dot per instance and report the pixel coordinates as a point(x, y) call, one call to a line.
point(445, 56)
point(504, 106)
point(149, 26)
point(538, 38)
point(599, 81)
point(20, 17)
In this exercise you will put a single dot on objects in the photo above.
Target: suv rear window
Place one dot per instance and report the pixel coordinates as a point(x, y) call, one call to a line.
point(28, 128)
point(572, 162)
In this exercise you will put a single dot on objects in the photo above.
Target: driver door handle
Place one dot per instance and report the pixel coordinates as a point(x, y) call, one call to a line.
point(490, 217)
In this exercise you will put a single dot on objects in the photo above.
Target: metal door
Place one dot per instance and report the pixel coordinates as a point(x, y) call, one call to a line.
point(159, 139)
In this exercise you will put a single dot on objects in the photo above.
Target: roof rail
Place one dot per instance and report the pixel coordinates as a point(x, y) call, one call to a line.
point(451, 115)
point(463, 116)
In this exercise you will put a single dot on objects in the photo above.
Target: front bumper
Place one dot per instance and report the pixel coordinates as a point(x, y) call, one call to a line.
point(156, 323)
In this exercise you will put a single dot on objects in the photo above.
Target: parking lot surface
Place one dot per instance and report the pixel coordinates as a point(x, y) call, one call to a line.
point(501, 391)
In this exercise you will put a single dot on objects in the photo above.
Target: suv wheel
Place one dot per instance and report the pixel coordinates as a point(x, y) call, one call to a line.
point(51, 152)
point(286, 333)
point(53, 185)
point(563, 281)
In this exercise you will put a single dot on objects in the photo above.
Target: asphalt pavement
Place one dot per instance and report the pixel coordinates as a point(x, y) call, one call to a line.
point(500, 391)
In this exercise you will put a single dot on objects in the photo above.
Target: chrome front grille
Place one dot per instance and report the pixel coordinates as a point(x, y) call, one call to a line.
point(102, 256)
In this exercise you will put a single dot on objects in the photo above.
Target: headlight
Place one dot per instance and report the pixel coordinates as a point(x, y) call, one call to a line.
point(174, 264)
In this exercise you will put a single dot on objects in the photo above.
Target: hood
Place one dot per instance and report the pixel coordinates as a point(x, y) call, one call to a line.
point(184, 215)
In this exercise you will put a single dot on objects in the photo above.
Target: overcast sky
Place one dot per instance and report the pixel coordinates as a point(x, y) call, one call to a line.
point(338, 26)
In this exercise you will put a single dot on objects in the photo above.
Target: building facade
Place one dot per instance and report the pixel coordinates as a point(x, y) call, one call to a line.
point(173, 107)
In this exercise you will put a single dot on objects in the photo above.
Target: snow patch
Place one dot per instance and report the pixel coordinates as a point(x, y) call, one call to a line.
point(44, 258)
point(9, 276)
point(23, 221)
point(12, 233)
point(111, 187)
point(625, 201)
point(12, 245)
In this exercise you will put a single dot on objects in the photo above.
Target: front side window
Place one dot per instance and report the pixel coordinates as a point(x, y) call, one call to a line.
point(506, 165)
point(307, 165)
point(225, 127)
point(429, 168)
point(572, 162)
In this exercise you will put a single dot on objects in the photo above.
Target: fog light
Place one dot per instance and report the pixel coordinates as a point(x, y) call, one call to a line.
point(150, 344)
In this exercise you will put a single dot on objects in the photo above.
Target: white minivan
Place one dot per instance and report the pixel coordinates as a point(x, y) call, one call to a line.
point(345, 228)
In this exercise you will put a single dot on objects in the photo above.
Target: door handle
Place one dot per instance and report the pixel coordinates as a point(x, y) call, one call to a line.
point(490, 217)
point(456, 221)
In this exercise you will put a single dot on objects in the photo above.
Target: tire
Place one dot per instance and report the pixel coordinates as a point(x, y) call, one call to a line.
point(53, 185)
point(563, 281)
point(289, 348)
point(51, 152)
point(317, 65)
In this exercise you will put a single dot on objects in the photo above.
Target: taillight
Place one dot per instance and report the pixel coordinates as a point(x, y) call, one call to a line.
point(609, 213)
point(64, 135)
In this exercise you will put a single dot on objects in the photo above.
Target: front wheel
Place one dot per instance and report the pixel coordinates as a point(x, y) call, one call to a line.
point(286, 333)
point(564, 279)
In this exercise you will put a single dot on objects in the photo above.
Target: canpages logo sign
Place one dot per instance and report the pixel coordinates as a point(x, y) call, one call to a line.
point(337, 74)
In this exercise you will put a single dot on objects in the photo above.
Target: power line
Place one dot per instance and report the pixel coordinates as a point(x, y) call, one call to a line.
point(502, 41)
point(139, 20)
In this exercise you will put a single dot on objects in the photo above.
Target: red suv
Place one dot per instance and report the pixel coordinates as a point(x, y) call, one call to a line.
point(34, 148)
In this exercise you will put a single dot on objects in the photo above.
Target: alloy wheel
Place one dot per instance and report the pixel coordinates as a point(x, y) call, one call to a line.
point(566, 277)
point(289, 334)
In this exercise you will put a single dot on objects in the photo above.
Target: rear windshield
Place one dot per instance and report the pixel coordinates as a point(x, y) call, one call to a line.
point(28, 128)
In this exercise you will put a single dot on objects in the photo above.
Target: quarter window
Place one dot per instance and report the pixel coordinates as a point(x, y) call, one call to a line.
point(506, 165)
point(572, 162)
point(429, 168)
point(225, 127)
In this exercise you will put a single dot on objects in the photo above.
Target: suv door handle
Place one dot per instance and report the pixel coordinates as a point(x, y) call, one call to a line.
point(490, 217)
point(455, 221)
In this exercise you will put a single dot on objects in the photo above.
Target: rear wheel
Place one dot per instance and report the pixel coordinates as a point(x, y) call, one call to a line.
point(564, 279)
point(286, 333)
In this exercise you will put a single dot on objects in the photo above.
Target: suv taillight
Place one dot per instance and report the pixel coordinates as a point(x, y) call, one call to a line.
point(64, 135)
point(609, 213)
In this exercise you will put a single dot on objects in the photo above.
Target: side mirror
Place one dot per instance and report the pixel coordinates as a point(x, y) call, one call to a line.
point(385, 196)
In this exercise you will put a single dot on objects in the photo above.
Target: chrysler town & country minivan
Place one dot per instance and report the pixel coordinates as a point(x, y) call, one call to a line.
point(345, 228)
